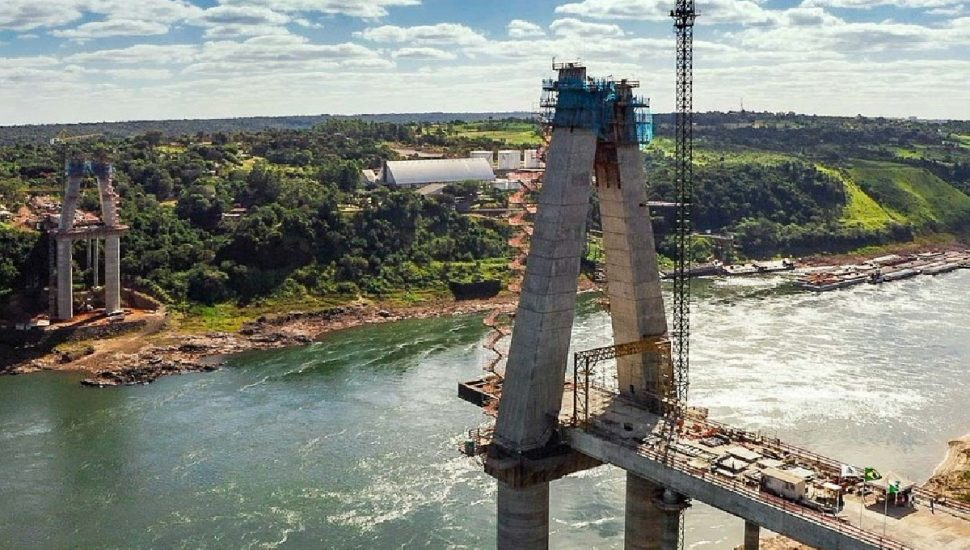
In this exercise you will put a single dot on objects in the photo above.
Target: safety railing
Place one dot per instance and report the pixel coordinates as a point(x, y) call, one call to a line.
point(824, 520)
point(960, 508)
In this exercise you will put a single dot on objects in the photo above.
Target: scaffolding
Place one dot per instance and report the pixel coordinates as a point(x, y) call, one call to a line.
point(605, 105)
point(593, 376)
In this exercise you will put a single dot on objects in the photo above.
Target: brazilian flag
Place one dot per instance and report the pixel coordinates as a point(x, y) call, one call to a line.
point(872, 474)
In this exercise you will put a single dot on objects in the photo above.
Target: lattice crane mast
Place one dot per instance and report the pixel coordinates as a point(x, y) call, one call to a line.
point(683, 14)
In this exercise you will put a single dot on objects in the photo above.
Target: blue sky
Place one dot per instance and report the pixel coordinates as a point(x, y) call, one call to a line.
point(92, 60)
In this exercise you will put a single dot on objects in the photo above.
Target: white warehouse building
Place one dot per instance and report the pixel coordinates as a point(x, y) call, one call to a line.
point(417, 173)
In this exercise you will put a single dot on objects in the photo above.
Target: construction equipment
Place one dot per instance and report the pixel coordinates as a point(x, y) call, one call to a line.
point(684, 15)
point(63, 137)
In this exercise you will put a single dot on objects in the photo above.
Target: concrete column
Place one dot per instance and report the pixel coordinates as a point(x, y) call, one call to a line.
point(539, 349)
point(72, 193)
point(670, 535)
point(752, 536)
point(673, 506)
point(644, 521)
point(65, 279)
point(109, 199)
point(112, 274)
point(52, 311)
point(523, 517)
point(633, 278)
point(97, 262)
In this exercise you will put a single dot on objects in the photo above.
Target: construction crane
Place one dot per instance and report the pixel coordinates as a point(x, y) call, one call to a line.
point(683, 14)
point(63, 137)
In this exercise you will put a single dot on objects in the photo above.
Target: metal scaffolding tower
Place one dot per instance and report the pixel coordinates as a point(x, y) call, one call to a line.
point(684, 15)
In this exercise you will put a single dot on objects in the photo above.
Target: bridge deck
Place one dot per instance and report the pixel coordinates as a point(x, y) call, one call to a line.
point(624, 434)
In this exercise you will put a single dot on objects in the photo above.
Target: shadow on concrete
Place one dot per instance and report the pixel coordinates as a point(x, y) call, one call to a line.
point(893, 511)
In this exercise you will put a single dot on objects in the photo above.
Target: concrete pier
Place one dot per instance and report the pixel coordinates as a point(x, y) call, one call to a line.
point(72, 194)
point(644, 521)
point(112, 272)
point(65, 279)
point(97, 263)
point(66, 233)
point(539, 350)
point(672, 505)
point(752, 536)
point(523, 517)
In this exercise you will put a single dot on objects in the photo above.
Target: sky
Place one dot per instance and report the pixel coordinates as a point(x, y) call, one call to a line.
point(111, 60)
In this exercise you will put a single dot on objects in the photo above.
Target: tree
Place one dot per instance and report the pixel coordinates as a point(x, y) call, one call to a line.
point(207, 285)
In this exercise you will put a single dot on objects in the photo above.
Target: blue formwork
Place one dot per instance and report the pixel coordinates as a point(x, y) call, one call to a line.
point(604, 105)
point(78, 167)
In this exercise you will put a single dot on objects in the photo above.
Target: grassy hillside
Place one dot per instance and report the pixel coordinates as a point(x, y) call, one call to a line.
point(860, 209)
point(912, 195)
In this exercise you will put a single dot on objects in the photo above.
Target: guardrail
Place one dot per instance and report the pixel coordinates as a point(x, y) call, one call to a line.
point(961, 508)
point(824, 520)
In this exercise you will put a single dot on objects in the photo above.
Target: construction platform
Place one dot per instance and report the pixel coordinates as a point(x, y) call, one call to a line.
point(722, 467)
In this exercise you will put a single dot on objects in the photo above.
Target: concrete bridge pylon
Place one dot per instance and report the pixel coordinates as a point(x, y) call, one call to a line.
point(67, 232)
point(596, 138)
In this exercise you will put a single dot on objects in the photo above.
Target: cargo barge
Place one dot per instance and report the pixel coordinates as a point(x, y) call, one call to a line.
point(884, 269)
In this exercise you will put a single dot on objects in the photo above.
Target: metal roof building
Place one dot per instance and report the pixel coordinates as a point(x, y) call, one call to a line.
point(412, 173)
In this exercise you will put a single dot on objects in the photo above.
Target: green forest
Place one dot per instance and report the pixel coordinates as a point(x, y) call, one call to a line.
point(248, 216)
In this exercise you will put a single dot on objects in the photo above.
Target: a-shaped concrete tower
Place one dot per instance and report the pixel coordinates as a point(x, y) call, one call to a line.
point(636, 421)
point(68, 232)
point(597, 132)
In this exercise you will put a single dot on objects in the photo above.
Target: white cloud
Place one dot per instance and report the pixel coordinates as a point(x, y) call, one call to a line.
point(440, 34)
point(430, 54)
point(139, 54)
point(355, 8)
point(800, 31)
point(222, 22)
point(282, 49)
point(28, 62)
point(218, 32)
point(241, 15)
point(713, 11)
point(866, 4)
point(113, 27)
point(24, 15)
point(575, 27)
point(518, 28)
point(804, 58)
point(158, 11)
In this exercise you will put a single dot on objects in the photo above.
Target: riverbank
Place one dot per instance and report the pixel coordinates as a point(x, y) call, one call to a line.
point(143, 357)
point(951, 479)
point(169, 352)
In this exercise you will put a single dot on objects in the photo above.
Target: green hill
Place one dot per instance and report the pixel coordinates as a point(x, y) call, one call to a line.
point(913, 195)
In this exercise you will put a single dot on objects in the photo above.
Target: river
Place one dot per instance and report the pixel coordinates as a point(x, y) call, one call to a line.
point(351, 442)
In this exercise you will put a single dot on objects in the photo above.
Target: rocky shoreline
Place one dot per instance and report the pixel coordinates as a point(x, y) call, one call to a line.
point(170, 352)
point(178, 354)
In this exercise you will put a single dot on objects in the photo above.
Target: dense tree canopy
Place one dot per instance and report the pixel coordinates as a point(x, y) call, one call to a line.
point(224, 214)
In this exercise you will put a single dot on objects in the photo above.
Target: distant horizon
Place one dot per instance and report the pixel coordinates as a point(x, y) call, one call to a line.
point(459, 113)
point(74, 61)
